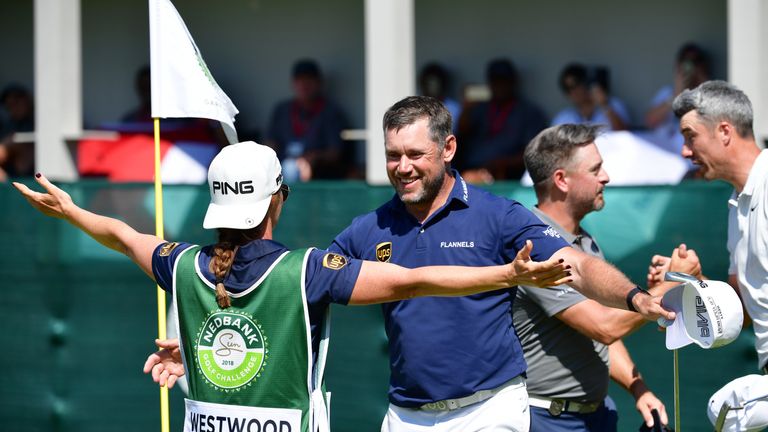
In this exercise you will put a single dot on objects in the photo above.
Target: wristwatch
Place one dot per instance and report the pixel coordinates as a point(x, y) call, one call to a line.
point(632, 293)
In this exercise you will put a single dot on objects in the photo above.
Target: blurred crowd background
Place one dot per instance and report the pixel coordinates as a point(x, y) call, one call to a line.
point(296, 72)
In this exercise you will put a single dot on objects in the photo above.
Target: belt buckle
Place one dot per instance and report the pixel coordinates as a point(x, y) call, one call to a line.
point(556, 407)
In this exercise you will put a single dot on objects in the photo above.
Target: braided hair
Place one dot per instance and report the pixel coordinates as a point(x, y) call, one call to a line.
point(224, 255)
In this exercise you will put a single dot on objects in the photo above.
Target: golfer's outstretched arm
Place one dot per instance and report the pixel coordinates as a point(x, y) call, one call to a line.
point(603, 282)
point(383, 282)
point(112, 233)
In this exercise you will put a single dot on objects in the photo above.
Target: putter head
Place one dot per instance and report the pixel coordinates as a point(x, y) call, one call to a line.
point(679, 277)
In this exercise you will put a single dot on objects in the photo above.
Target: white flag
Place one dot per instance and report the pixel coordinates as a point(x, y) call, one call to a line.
point(182, 85)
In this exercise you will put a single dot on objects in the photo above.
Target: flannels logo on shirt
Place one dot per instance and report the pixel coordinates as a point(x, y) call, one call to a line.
point(551, 232)
point(457, 244)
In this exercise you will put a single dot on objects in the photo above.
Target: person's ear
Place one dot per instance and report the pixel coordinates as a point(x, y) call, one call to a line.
point(449, 151)
point(560, 180)
point(725, 132)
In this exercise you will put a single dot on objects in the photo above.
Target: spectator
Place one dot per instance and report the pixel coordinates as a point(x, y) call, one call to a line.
point(434, 82)
point(692, 69)
point(16, 159)
point(306, 130)
point(589, 93)
point(496, 131)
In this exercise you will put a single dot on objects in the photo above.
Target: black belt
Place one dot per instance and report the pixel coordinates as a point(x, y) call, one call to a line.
point(559, 406)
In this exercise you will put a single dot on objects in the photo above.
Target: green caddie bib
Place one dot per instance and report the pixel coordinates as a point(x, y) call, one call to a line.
point(250, 366)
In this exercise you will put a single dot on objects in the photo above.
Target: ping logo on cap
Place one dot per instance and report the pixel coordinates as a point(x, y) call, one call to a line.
point(237, 188)
point(701, 317)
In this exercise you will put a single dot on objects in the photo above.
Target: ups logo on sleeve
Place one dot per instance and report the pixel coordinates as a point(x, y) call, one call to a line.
point(384, 251)
point(167, 248)
point(334, 261)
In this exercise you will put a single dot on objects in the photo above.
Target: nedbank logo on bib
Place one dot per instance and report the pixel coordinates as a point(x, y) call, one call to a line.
point(230, 349)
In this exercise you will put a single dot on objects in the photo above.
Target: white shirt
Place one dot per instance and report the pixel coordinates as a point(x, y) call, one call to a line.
point(748, 246)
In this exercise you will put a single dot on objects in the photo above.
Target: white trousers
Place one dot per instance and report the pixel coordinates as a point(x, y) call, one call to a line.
point(505, 411)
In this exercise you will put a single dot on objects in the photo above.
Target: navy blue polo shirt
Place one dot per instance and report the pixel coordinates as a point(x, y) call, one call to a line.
point(323, 285)
point(450, 347)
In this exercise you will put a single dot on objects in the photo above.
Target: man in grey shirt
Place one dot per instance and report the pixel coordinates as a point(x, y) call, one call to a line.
point(571, 343)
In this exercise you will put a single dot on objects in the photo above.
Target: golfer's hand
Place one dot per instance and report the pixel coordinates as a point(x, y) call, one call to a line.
point(646, 402)
point(55, 202)
point(685, 260)
point(540, 274)
point(165, 365)
point(650, 307)
point(682, 260)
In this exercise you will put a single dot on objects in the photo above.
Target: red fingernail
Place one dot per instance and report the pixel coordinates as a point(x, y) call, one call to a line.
point(568, 267)
point(38, 175)
point(561, 260)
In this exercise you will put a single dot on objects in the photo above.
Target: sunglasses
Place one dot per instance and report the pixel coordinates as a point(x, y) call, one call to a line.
point(285, 190)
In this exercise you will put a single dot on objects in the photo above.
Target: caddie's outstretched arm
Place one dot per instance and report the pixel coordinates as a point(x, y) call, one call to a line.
point(384, 282)
point(603, 282)
point(112, 233)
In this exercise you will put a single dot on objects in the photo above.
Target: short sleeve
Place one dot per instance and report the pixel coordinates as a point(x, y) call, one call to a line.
point(553, 300)
point(163, 259)
point(330, 277)
point(519, 225)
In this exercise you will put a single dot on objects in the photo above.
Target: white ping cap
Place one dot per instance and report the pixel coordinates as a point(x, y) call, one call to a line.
point(741, 405)
point(708, 313)
point(242, 179)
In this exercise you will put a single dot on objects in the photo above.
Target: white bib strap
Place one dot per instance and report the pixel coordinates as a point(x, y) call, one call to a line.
point(321, 410)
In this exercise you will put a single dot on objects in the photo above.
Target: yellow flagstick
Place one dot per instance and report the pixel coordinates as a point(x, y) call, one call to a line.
point(164, 414)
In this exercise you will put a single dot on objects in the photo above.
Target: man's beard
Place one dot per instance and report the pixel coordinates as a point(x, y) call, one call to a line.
point(430, 187)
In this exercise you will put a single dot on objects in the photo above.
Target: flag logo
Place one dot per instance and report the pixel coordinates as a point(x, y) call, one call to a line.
point(384, 251)
point(230, 350)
